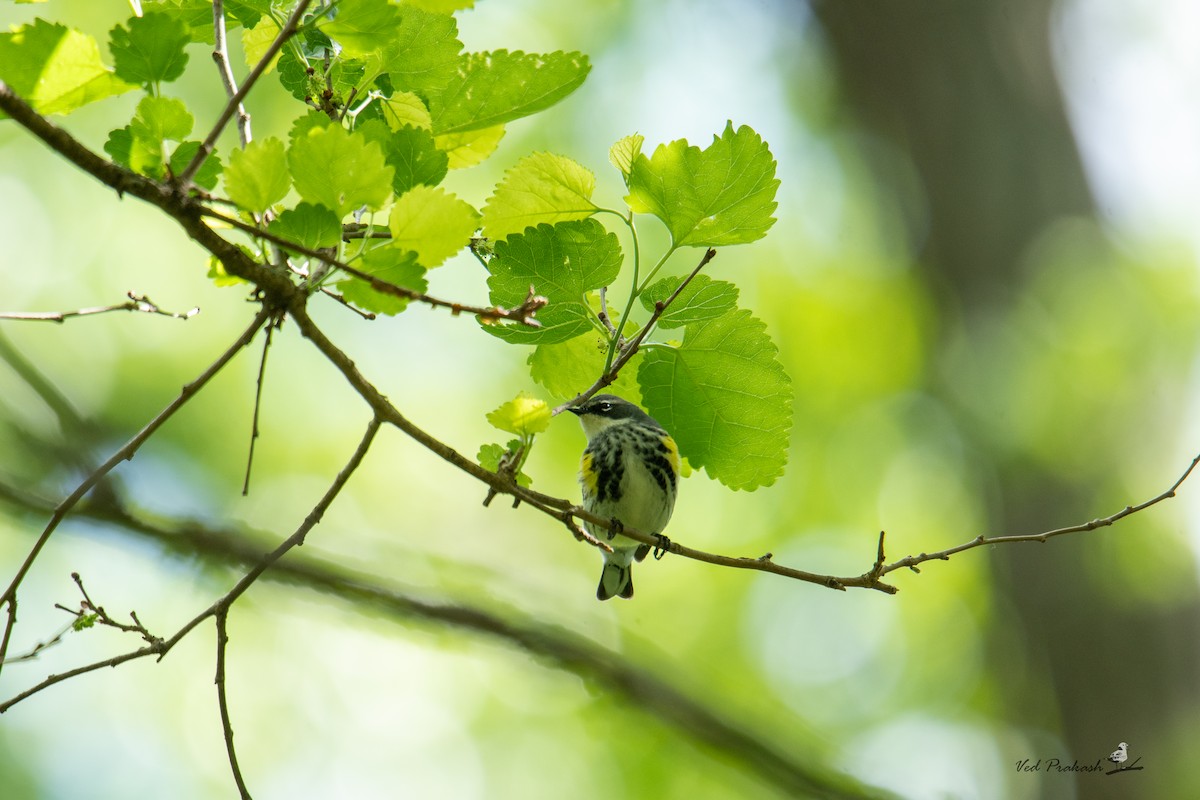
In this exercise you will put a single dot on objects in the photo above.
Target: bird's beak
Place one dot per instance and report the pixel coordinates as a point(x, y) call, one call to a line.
point(576, 410)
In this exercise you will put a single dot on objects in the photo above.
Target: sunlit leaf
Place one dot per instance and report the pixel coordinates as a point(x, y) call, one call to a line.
point(622, 154)
point(422, 56)
point(542, 187)
point(339, 170)
point(433, 223)
point(56, 69)
point(722, 195)
point(523, 415)
point(392, 264)
point(469, 148)
point(725, 398)
point(567, 368)
point(310, 226)
point(491, 88)
point(258, 176)
point(362, 26)
point(703, 298)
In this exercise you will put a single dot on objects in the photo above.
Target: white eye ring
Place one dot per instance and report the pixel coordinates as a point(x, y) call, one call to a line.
point(606, 406)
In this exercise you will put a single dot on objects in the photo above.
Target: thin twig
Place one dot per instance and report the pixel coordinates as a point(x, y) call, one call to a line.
point(523, 314)
point(225, 71)
point(605, 319)
point(36, 650)
point(223, 704)
point(288, 30)
point(258, 387)
point(136, 302)
point(911, 562)
point(10, 622)
point(629, 349)
point(130, 448)
point(160, 647)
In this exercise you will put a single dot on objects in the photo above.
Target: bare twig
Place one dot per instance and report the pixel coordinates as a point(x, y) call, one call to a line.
point(629, 349)
point(160, 647)
point(89, 613)
point(223, 703)
point(225, 71)
point(603, 315)
point(911, 562)
point(36, 650)
point(125, 453)
point(136, 302)
point(206, 147)
point(523, 314)
point(258, 387)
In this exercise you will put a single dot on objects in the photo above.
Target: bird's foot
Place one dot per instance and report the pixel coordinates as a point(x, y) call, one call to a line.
point(661, 547)
point(615, 527)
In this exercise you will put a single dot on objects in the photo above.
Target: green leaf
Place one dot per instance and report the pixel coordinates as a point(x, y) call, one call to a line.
point(622, 154)
point(160, 119)
point(142, 144)
point(55, 69)
point(562, 262)
point(150, 50)
point(703, 298)
point(491, 88)
point(221, 278)
point(84, 621)
point(440, 6)
point(725, 398)
point(405, 108)
point(542, 187)
point(339, 170)
point(410, 152)
point(524, 415)
point(470, 147)
point(362, 26)
point(308, 225)
point(257, 177)
point(197, 15)
point(423, 54)
point(567, 368)
point(433, 223)
point(490, 456)
point(389, 263)
point(306, 123)
point(257, 40)
point(722, 195)
point(210, 170)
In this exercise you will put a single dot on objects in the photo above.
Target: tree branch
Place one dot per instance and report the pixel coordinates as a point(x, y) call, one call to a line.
point(223, 703)
point(288, 30)
point(641, 690)
point(225, 72)
point(136, 302)
point(125, 453)
point(630, 348)
point(522, 314)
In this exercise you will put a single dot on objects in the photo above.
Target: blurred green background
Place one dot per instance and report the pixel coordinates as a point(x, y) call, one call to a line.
point(982, 281)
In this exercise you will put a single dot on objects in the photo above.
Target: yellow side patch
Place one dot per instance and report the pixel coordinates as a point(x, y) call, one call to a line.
point(587, 476)
point(672, 453)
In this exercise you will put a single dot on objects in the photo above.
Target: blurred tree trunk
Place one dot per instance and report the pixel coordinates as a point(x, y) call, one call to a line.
point(967, 91)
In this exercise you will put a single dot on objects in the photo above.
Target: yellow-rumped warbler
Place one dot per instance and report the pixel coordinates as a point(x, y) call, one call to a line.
point(629, 473)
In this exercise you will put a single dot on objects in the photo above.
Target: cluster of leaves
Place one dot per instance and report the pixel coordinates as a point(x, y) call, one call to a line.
point(394, 103)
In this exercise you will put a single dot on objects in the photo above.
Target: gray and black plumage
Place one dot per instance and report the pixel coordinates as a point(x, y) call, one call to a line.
point(629, 473)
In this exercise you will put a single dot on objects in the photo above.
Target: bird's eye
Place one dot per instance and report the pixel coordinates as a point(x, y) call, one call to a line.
point(605, 407)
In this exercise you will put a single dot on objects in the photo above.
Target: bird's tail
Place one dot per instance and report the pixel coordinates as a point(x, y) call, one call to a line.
point(616, 579)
